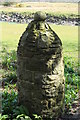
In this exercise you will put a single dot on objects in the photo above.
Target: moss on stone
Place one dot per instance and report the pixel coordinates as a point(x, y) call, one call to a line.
point(40, 69)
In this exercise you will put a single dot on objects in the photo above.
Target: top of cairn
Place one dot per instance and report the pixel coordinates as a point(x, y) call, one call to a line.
point(39, 16)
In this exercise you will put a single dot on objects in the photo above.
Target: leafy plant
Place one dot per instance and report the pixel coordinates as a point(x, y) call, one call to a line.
point(10, 104)
point(4, 117)
point(71, 82)
point(10, 77)
point(23, 117)
point(36, 117)
point(9, 59)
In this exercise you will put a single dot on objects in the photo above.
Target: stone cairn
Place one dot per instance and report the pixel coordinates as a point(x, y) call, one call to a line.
point(40, 69)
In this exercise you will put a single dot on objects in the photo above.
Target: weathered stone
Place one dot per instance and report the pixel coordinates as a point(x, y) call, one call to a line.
point(40, 69)
point(40, 16)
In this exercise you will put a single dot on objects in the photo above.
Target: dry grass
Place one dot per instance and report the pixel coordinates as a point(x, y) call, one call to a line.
point(57, 8)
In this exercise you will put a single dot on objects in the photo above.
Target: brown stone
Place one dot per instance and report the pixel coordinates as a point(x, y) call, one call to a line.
point(40, 69)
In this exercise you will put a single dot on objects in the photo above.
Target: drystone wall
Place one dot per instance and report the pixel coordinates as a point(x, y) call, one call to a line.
point(40, 69)
point(58, 20)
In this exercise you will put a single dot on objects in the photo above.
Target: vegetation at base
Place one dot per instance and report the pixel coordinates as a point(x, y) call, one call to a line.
point(9, 59)
point(72, 83)
point(10, 107)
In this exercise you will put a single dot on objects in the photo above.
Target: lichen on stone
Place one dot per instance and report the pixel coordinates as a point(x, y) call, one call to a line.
point(39, 16)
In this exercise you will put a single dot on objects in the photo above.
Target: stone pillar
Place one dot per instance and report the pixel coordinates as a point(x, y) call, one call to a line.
point(40, 69)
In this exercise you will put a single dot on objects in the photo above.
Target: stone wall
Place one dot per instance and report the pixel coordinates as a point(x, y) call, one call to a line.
point(40, 69)
point(26, 18)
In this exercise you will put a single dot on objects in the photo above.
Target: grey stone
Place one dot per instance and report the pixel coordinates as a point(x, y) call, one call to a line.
point(39, 16)
point(40, 69)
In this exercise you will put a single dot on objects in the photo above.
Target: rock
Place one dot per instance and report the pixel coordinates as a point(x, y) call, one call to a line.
point(40, 69)
point(39, 16)
point(49, 18)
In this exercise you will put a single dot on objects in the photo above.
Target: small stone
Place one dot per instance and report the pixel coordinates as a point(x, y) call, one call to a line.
point(39, 16)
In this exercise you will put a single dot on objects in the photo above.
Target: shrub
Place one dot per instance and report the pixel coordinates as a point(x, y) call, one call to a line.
point(9, 59)
point(7, 3)
point(11, 109)
point(9, 102)
point(10, 77)
point(19, 5)
point(71, 82)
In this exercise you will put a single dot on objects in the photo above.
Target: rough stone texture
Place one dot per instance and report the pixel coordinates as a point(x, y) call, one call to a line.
point(40, 70)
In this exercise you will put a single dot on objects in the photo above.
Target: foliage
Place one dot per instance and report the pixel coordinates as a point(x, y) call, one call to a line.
point(24, 117)
point(19, 5)
point(9, 59)
point(9, 64)
point(7, 3)
point(4, 117)
point(10, 77)
point(11, 109)
point(10, 105)
point(72, 82)
point(36, 117)
point(9, 102)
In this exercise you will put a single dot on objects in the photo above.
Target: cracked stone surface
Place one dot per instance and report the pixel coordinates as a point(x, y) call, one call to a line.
point(40, 69)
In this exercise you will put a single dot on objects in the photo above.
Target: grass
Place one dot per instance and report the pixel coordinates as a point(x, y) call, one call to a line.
point(69, 37)
point(11, 33)
point(9, 37)
point(54, 8)
point(9, 99)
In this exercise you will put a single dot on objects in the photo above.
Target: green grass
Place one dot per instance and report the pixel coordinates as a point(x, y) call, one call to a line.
point(69, 37)
point(11, 33)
